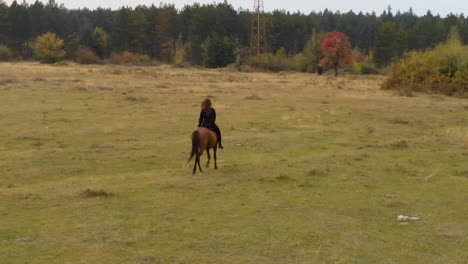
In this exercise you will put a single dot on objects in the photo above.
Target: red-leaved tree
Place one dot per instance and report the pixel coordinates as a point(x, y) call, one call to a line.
point(336, 50)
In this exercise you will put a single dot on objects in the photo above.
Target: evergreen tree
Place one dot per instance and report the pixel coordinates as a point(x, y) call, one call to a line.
point(100, 42)
point(385, 49)
point(19, 23)
point(218, 51)
point(4, 23)
point(137, 31)
point(121, 37)
point(154, 30)
point(39, 21)
point(313, 50)
point(165, 33)
point(454, 38)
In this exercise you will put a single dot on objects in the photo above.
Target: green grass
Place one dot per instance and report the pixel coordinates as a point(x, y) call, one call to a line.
point(315, 169)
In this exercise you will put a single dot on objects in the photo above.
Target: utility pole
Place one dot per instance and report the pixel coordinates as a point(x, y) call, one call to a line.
point(258, 39)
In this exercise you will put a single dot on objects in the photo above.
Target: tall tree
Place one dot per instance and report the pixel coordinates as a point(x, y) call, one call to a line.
point(4, 23)
point(100, 42)
point(39, 23)
point(165, 32)
point(313, 50)
point(121, 37)
point(454, 38)
point(137, 30)
point(391, 43)
point(19, 23)
point(336, 49)
point(218, 51)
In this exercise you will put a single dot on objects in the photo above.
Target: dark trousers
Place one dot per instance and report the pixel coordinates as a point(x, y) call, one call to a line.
point(214, 128)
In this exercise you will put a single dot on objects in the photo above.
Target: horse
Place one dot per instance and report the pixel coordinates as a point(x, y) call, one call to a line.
point(203, 139)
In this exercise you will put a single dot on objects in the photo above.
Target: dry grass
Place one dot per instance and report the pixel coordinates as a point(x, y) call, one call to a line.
point(316, 171)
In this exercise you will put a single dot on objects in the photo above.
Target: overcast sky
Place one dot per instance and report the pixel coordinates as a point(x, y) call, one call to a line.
point(420, 7)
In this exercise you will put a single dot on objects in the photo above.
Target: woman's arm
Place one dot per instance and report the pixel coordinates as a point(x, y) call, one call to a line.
point(200, 119)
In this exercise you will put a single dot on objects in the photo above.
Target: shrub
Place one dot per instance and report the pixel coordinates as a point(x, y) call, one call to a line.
point(5, 53)
point(365, 68)
point(441, 70)
point(273, 62)
point(181, 55)
point(48, 48)
point(129, 58)
point(301, 62)
point(85, 55)
point(313, 50)
point(143, 59)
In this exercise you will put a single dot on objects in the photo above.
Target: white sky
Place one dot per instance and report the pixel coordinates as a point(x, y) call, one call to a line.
point(305, 6)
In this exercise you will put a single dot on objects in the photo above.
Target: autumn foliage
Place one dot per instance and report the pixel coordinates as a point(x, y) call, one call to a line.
point(336, 50)
point(443, 70)
point(48, 48)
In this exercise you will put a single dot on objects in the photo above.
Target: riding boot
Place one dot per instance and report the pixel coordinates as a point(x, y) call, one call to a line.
point(218, 136)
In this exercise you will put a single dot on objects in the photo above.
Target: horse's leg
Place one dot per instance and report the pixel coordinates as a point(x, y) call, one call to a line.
point(199, 158)
point(215, 158)
point(209, 158)
point(195, 165)
point(199, 166)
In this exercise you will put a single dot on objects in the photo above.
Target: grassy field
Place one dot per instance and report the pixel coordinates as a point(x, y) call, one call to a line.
point(315, 169)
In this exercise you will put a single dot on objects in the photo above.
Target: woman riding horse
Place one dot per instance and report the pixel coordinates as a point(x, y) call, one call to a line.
point(208, 119)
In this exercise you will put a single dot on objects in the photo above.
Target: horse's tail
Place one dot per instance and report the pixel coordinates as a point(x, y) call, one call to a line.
point(195, 144)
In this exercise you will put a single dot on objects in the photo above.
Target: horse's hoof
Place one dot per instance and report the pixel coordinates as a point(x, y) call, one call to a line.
point(216, 168)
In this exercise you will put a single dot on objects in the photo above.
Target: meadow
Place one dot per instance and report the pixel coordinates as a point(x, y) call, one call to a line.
point(315, 169)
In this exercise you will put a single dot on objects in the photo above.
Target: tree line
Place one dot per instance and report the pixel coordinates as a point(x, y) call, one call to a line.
point(213, 34)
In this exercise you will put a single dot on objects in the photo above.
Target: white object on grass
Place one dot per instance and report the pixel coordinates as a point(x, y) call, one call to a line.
point(406, 218)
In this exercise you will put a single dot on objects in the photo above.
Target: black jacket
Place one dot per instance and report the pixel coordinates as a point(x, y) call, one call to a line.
point(207, 117)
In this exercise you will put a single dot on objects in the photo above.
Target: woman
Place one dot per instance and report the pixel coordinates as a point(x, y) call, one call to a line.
point(208, 118)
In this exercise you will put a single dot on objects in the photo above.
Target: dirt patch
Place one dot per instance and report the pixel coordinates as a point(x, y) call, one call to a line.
point(318, 172)
point(137, 99)
point(89, 193)
point(400, 144)
point(253, 97)
point(284, 178)
point(399, 122)
point(7, 82)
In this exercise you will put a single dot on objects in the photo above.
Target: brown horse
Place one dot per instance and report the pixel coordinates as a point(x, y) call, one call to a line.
point(203, 139)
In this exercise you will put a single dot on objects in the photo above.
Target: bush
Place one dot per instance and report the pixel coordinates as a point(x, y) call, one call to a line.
point(301, 62)
point(48, 48)
point(129, 58)
point(441, 70)
point(143, 59)
point(71, 46)
point(5, 53)
point(273, 62)
point(85, 55)
point(365, 68)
